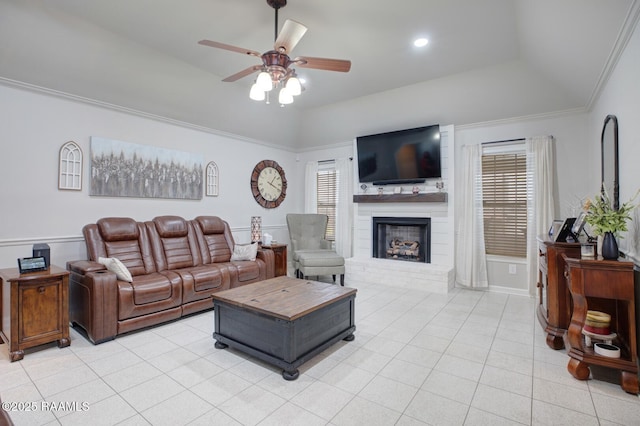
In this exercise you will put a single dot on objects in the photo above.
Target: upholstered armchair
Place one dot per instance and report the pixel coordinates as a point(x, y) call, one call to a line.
point(313, 254)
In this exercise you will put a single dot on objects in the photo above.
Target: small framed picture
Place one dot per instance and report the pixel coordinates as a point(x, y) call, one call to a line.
point(576, 229)
point(555, 227)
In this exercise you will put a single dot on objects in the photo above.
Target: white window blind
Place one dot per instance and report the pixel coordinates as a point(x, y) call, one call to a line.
point(504, 200)
point(327, 197)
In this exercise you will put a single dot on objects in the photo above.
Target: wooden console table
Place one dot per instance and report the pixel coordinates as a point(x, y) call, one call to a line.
point(607, 286)
point(554, 308)
point(34, 308)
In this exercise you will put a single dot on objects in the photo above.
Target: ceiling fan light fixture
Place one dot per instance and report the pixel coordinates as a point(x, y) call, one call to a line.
point(256, 93)
point(264, 81)
point(285, 97)
point(293, 86)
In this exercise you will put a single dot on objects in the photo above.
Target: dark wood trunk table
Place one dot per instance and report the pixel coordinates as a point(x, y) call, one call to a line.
point(284, 321)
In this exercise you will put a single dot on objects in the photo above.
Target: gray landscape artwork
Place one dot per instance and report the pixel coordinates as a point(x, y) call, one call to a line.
point(122, 169)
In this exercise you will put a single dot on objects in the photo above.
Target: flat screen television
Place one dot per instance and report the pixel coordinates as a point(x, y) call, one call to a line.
point(402, 156)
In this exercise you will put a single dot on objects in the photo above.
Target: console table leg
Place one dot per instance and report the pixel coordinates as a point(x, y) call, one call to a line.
point(629, 382)
point(578, 369)
point(290, 375)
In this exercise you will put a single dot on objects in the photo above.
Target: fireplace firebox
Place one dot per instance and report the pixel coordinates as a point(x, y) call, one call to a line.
point(402, 238)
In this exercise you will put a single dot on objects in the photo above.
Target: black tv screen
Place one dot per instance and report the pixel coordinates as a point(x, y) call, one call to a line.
point(411, 155)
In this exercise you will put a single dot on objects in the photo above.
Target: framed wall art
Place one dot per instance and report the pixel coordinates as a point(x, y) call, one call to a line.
point(123, 169)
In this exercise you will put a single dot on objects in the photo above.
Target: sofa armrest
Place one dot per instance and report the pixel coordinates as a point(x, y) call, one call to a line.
point(269, 258)
point(93, 300)
point(83, 267)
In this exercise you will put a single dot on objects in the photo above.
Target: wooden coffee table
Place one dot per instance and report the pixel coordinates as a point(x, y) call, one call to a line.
point(284, 321)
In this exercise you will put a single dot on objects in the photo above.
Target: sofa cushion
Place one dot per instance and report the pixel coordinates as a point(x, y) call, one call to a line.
point(170, 237)
point(151, 288)
point(210, 224)
point(247, 271)
point(118, 229)
point(207, 277)
point(171, 226)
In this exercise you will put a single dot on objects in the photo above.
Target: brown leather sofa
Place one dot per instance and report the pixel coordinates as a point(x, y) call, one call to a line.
point(176, 266)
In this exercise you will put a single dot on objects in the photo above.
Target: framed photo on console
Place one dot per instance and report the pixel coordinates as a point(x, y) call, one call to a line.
point(565, 234)
point(555, 227)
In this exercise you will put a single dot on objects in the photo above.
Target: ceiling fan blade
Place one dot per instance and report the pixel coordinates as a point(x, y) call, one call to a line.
point(326, 64)
point(289, 36)
point(245, 72)
point(229, 47)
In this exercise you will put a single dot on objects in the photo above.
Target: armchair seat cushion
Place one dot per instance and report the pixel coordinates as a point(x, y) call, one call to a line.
point(310, 252)
point(318, 258)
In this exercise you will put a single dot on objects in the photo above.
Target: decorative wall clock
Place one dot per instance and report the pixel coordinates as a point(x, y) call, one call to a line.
point(268, 184)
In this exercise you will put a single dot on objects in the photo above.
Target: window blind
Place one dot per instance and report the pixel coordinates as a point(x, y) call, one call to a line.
point(327, 196)
point(504, 201)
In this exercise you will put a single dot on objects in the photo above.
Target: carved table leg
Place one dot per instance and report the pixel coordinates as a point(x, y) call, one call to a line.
point(16, 355)
point(629, 382)
point(555, 342)
point(64, 342)
point(578, 369)
point(220, 345)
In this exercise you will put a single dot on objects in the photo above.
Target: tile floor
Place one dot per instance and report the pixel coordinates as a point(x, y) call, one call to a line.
point(466, 358)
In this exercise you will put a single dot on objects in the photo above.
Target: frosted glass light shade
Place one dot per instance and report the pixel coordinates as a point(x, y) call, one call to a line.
point(264, 81)
point(285, 97)
point(293, 86)
point(256, 93)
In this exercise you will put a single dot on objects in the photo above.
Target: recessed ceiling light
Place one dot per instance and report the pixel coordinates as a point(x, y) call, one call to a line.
point(421, 42)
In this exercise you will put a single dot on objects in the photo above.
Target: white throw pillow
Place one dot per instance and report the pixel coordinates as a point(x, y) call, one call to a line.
point(114, 265)
point(245, 251)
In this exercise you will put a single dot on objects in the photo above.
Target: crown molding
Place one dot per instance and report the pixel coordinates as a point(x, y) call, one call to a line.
point(630, 23)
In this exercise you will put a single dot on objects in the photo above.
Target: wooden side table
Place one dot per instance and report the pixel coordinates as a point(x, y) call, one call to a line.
point(34, 308)
point(607, 286)
point(280, 253)
point(554, 300)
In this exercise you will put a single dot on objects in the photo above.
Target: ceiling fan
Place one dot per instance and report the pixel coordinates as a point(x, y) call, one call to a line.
point(277, 67)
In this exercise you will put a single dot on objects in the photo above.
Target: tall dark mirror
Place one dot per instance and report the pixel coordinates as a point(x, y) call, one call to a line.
point(609, 158)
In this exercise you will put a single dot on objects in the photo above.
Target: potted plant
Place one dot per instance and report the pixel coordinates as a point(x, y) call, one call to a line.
point(608, 222)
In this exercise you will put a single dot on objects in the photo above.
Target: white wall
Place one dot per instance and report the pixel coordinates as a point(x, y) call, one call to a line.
point(36, 125)
point(621, 97)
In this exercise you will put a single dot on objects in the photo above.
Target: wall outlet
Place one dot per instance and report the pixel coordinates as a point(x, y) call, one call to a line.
point(512, 268)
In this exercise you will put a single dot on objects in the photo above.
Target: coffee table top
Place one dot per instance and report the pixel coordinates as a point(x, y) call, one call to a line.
point(284, 297)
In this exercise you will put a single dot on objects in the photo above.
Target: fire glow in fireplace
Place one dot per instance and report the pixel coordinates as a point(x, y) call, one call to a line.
point(402, 238)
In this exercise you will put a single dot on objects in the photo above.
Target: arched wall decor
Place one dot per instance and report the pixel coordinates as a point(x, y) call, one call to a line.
point(70, 167)
point(213, 179)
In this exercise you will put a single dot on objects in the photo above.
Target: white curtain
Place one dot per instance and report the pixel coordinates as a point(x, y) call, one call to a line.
point(344, 212)
point(471, 258)
point(311, 187)
point(540, 203)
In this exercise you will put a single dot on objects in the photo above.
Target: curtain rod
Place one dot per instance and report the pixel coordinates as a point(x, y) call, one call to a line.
point(331, 161)
point(504, 141)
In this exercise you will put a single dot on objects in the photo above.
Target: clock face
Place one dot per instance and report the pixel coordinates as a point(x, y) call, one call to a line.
point(268, 184)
